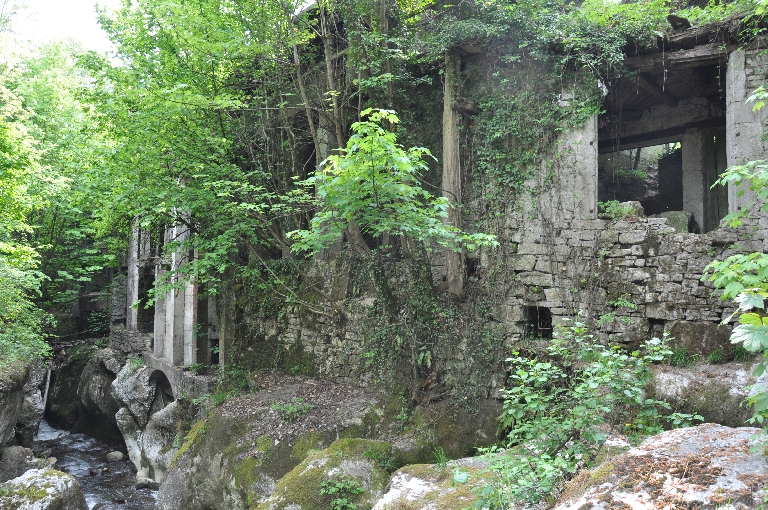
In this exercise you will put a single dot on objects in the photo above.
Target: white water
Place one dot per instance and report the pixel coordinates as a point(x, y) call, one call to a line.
point(77, 454)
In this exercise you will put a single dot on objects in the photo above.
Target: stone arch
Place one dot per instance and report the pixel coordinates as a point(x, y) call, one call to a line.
point(164, 391)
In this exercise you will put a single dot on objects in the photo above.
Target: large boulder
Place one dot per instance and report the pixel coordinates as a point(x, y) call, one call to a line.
point(241, 450)
point(701, 338)
point(12, 381)
point(15, 461)
point(704, 467)
point(134, 389)
point(151, 449)
point(32, 407)
point(63, 406)
point(348, 467)
point(42, 489)
point(97, 406)
point(434, 487)
point(716, 392)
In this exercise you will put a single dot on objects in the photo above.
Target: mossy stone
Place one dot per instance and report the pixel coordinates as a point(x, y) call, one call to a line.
point(348, 460)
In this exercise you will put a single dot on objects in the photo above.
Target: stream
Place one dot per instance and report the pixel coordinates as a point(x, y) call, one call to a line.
point(107, 485)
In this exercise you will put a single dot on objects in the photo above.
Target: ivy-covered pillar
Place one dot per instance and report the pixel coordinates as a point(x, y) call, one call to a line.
point(454, 264)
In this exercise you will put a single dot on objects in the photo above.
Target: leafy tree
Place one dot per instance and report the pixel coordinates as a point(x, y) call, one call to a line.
point(374, 185)
point(21, 321)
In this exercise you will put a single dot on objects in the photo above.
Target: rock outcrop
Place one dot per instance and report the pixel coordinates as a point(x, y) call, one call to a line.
point(42, 489)
point(15, 461)
point(97, 407)
point(716, 392)
point(63, 407)
point(12, 381)
point(31, 412)
point(242, 449)
point(151, 448)
point(346, 469)
point(133, 390)
point(434, 487)
point(704, 467)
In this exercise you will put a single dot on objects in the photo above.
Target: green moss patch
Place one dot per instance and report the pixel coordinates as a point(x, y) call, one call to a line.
point(345, 461)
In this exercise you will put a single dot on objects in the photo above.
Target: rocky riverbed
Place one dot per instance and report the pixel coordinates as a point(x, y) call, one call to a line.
point(107, 485)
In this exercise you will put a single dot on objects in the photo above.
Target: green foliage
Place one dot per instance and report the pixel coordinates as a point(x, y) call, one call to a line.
point(197, 368)
point(441, 461)
point(374, 183)
point(739, 353)
point(753, 176)
point(135, 363)
point(342, 492)
point(614, 210)
point(715, 357)
point(384, 460)
point(293, 410)
point(555, 410)
point(682, 357)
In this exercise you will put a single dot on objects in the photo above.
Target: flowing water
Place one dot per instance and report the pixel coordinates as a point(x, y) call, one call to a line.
point(107, 485)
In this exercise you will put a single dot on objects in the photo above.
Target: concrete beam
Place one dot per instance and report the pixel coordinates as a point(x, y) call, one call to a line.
point(653, 90)
point(699, 56)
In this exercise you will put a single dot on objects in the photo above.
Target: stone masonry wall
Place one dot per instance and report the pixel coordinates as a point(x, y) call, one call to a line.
point(629, 279)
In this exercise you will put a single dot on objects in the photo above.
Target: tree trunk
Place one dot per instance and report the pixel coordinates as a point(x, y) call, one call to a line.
point(330, 78)
point(384, 27)
point(302, 89)
point(454, 263)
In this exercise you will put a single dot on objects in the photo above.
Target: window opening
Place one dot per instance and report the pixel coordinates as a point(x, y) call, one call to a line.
point(539, 322)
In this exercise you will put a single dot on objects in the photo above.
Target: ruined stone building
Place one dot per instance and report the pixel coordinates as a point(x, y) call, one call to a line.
point(684, 114)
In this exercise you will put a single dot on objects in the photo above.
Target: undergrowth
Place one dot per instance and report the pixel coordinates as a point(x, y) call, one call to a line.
point(560, 408)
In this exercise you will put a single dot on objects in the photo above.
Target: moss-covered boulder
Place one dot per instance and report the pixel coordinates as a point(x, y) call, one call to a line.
point(63, 406)
point(450, 486)
point(449, 427)
point(234, 457)
point(347, 469)
point(42, 489)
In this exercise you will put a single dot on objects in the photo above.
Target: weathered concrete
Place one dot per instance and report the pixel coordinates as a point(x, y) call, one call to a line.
point(744, 128)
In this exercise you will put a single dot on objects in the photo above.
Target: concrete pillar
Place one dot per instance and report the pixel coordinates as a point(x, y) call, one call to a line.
point(131, 314)
point(569, 180)
point(716, 198)
point(190, 320)
point(694, 149)
point(159, 324)
point(585, 177)
point(744, 128)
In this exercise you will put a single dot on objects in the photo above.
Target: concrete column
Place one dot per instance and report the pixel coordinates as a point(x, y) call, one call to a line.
point(694, 149)
point(179, 233)
point(131, 314)
point(159, 325)
point(568, 180)
point(190, 319)
point(585, 179)
point(744, 128)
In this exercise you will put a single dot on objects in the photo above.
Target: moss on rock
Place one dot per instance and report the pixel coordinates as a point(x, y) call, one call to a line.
point(346, 460)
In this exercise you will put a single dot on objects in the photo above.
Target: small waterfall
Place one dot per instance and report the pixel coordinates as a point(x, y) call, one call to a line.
point(107, 485)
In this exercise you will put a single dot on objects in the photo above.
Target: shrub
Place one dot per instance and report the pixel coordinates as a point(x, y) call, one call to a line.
point(556, 411)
